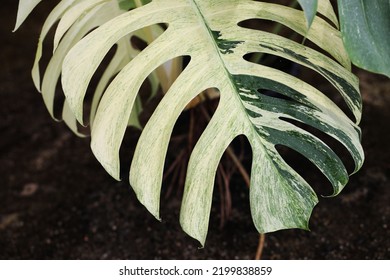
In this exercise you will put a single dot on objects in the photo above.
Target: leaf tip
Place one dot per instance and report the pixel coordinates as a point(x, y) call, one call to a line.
point(155, 213)
point(24, 9)
point(111, 165)
point(337, 189)
point(194, 233)
point(152, 210)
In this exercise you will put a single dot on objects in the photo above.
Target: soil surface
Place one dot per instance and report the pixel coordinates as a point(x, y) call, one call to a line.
point(57, 202)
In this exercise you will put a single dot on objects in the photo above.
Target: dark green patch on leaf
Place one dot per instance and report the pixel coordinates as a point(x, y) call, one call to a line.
point(297, 109)
point(314, 150)
point(340, 83)
point(253, 84)
point(224, 46)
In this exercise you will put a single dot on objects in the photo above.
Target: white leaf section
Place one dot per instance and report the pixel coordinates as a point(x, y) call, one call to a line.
point(24, 9)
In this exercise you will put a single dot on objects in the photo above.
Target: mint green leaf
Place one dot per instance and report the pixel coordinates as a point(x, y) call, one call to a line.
point(365, 27)
point(310, 9)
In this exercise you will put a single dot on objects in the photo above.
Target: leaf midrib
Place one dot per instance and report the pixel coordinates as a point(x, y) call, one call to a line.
point(203, 22)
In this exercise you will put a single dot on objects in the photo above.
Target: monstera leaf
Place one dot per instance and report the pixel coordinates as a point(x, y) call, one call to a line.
point(208, 32)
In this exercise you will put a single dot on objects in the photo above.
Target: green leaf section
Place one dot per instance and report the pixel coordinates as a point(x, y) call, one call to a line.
point(310, 9)
point(365, 26)
point(207, 31)
point(131, 4)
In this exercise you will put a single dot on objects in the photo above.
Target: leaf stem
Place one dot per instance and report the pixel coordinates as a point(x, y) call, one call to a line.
point(260, 247)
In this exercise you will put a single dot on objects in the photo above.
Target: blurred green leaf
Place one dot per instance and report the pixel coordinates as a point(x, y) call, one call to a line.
point(310, 9)
point(365, 27)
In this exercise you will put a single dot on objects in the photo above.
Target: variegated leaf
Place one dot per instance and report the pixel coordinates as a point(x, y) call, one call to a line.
point(208, 32)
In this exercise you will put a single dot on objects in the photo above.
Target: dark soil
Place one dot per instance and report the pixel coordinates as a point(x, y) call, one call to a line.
point(57, 202)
